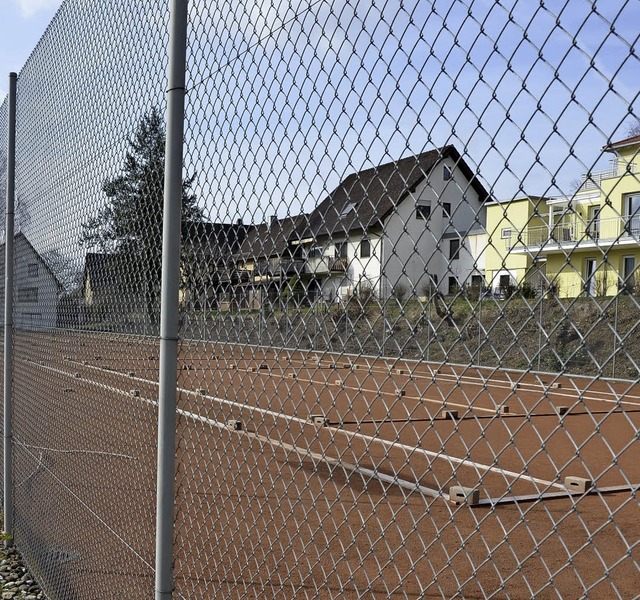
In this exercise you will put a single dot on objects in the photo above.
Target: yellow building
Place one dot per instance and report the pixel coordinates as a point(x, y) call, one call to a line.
point(503, 267)
point(586, 243)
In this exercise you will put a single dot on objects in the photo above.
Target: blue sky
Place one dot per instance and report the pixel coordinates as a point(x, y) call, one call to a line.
point(528, 91)
point(22, 23)
point(286, 98)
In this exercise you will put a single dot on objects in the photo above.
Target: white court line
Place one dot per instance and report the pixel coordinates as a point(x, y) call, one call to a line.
point(531, 388)
point(556, 392)
point(443, 402)
point(525, 386)
point(301, 453)
point(410, 449)
point(477, 380)
point(389, 364)
point(90, 452)
point(82, 503)
point(315, 455)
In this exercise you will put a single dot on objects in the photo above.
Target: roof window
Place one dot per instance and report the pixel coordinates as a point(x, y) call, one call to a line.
point(347, 209)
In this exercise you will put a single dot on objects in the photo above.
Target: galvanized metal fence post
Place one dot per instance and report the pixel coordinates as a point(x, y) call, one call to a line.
point(479, 329)
point(8, 313)
point(430, 325)
point(615, 339)
point(169, 298)
point(540, 329)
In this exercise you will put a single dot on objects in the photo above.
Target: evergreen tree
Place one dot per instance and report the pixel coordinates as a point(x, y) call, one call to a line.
point(129, 225)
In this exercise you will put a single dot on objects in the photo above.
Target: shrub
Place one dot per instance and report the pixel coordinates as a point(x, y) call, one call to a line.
point(473, 292)
point(553, 290)
point(428, 289)
point(364, 293)
point(602, 283)
point(399, 291)
point(528, 291)
point(508, 291)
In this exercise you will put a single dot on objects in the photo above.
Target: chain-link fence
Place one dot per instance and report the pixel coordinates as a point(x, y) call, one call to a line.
point(408, 299)
point(4, 123)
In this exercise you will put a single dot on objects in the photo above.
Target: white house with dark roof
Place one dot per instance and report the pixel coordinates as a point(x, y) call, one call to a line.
point(208, 268)
point(268, 262)
point(36, 288)
point(410, 224)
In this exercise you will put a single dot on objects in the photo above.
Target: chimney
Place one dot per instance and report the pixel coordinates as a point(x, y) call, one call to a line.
point(273, 220)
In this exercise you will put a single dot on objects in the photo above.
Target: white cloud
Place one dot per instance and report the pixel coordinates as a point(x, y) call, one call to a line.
point(31, 7)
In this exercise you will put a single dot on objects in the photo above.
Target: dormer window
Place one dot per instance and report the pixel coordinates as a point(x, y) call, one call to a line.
point(347, 209)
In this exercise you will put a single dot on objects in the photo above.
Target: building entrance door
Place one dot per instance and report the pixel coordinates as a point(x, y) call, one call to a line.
point(590, 276)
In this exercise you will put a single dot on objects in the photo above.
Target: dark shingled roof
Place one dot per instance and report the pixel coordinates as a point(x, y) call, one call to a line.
point(363, 200)
point(108, 271)
point(272, 239)
point(219, 239)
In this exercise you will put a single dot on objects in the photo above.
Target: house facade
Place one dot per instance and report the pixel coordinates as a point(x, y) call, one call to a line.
point(403, 228)
point(36, 288)
point(111, 295)
point(586, 243)
point(270, 265)
point(208, 266)
point(505, 268)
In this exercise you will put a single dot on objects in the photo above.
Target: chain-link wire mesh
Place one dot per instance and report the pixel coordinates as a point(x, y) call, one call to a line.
point(408, 297)
point(89, 106)
point(4, 130)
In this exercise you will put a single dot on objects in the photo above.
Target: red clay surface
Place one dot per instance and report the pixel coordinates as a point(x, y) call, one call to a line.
point(357, 508)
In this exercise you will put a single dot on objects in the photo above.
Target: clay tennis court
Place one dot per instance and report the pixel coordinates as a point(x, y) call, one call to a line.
point(320, 475)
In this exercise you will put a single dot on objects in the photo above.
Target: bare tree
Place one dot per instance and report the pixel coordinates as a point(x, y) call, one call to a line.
point(66, 271)
point(634, 128)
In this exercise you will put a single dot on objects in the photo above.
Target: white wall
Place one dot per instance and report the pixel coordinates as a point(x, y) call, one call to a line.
point(472, 258)
point(365, 271)
point(415, 248)
point(410, 250)
point(28, 311)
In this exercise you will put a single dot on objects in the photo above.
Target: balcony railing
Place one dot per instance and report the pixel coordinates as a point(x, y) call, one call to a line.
point(279, 267)
point(321, 265)
point(593, 181)
point(338, 265)
point(602, 230)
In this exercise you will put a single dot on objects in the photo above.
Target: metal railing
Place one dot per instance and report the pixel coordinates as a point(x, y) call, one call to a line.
point(279, 267)
point(593, 181)
point(617, 229)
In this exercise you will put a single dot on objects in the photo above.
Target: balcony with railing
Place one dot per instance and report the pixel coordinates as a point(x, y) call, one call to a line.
point(324, 265)
point(601, 231)
point(277, 267)
point(593, 181)
point(338, 265)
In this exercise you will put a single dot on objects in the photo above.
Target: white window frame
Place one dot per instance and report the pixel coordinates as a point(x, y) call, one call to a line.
point(420, 214)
